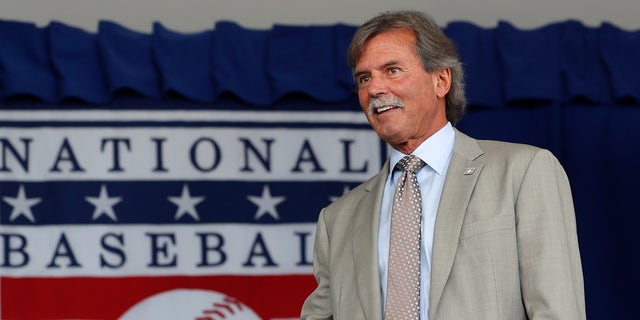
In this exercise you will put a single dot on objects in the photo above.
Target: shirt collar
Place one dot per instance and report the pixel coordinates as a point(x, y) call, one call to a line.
point(434, 151)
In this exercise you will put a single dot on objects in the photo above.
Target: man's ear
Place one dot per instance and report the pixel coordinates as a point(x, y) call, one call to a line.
point(442, 81)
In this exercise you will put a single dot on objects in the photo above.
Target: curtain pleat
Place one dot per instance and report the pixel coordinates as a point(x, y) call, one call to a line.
point(563, 62)
point(479, 55)
point(530, 61)
point(184, 63)
point(74, 55)
point(25, 68)
point(240, 63)
point(127, 59)
point(620, 51)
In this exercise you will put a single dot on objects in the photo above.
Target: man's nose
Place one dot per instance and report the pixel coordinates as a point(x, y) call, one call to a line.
point(377, 86)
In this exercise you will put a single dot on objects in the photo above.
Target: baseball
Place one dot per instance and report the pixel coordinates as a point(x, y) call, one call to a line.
point(190, 304)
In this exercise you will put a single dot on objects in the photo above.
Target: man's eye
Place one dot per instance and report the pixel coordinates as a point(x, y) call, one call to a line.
point(393, 70)
point(364, 79)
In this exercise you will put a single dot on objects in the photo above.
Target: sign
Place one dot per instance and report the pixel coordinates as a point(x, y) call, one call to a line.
point(169, 214)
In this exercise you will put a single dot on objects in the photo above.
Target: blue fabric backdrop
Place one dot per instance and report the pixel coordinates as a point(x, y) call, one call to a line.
point(567, 87)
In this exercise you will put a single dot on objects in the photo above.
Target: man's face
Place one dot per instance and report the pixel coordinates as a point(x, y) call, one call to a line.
point(408, 102)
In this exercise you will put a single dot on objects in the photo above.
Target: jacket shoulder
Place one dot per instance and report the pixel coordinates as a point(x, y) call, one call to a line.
point(502, 155)
point(508, 151)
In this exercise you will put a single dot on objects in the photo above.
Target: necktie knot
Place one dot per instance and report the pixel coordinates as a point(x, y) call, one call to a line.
point(410, 163)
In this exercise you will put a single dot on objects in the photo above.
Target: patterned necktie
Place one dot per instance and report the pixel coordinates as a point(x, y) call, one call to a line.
point(403, 280)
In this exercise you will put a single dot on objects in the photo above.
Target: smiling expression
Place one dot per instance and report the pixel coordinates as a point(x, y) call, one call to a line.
point(404, 103)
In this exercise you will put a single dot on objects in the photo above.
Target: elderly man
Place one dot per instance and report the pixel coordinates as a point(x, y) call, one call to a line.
point(452, 227)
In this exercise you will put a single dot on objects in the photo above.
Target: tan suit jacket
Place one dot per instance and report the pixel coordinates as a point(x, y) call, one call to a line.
point(505, 243)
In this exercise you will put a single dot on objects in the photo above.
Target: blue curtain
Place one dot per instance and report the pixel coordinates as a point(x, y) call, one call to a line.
point(566, 87)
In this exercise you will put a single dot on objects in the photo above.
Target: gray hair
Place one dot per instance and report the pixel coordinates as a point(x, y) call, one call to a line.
point(434, 49)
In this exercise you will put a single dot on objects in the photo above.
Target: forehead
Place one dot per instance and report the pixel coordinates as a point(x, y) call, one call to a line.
point(394, 44)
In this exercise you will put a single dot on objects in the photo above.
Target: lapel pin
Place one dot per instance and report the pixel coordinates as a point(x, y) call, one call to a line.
point(469, 171)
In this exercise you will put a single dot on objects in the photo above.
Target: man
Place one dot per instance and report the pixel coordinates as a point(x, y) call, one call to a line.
point(497, 236)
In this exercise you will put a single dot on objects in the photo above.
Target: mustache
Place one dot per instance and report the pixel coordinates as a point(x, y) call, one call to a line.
point(384, 101)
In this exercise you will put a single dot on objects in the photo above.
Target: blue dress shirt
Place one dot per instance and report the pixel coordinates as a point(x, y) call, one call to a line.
point(436, 153)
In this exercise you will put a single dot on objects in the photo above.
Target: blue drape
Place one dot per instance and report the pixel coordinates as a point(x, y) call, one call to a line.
point(567, 87)
point(560, 63)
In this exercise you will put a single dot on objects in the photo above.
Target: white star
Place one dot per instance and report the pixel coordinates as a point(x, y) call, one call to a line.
point(21, 205)
point(186, 204)
point(266, 203)
point(104, 204)
point(345, 190)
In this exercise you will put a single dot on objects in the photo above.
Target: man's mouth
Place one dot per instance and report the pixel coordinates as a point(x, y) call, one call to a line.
point(384, 103)
point(384, 108)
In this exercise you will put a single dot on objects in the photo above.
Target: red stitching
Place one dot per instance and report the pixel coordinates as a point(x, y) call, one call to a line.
point(233, 300)
point(224, 306)
point(218, 310)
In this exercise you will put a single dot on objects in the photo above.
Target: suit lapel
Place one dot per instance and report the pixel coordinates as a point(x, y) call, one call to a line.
point(461, 178)
point(365, 244)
